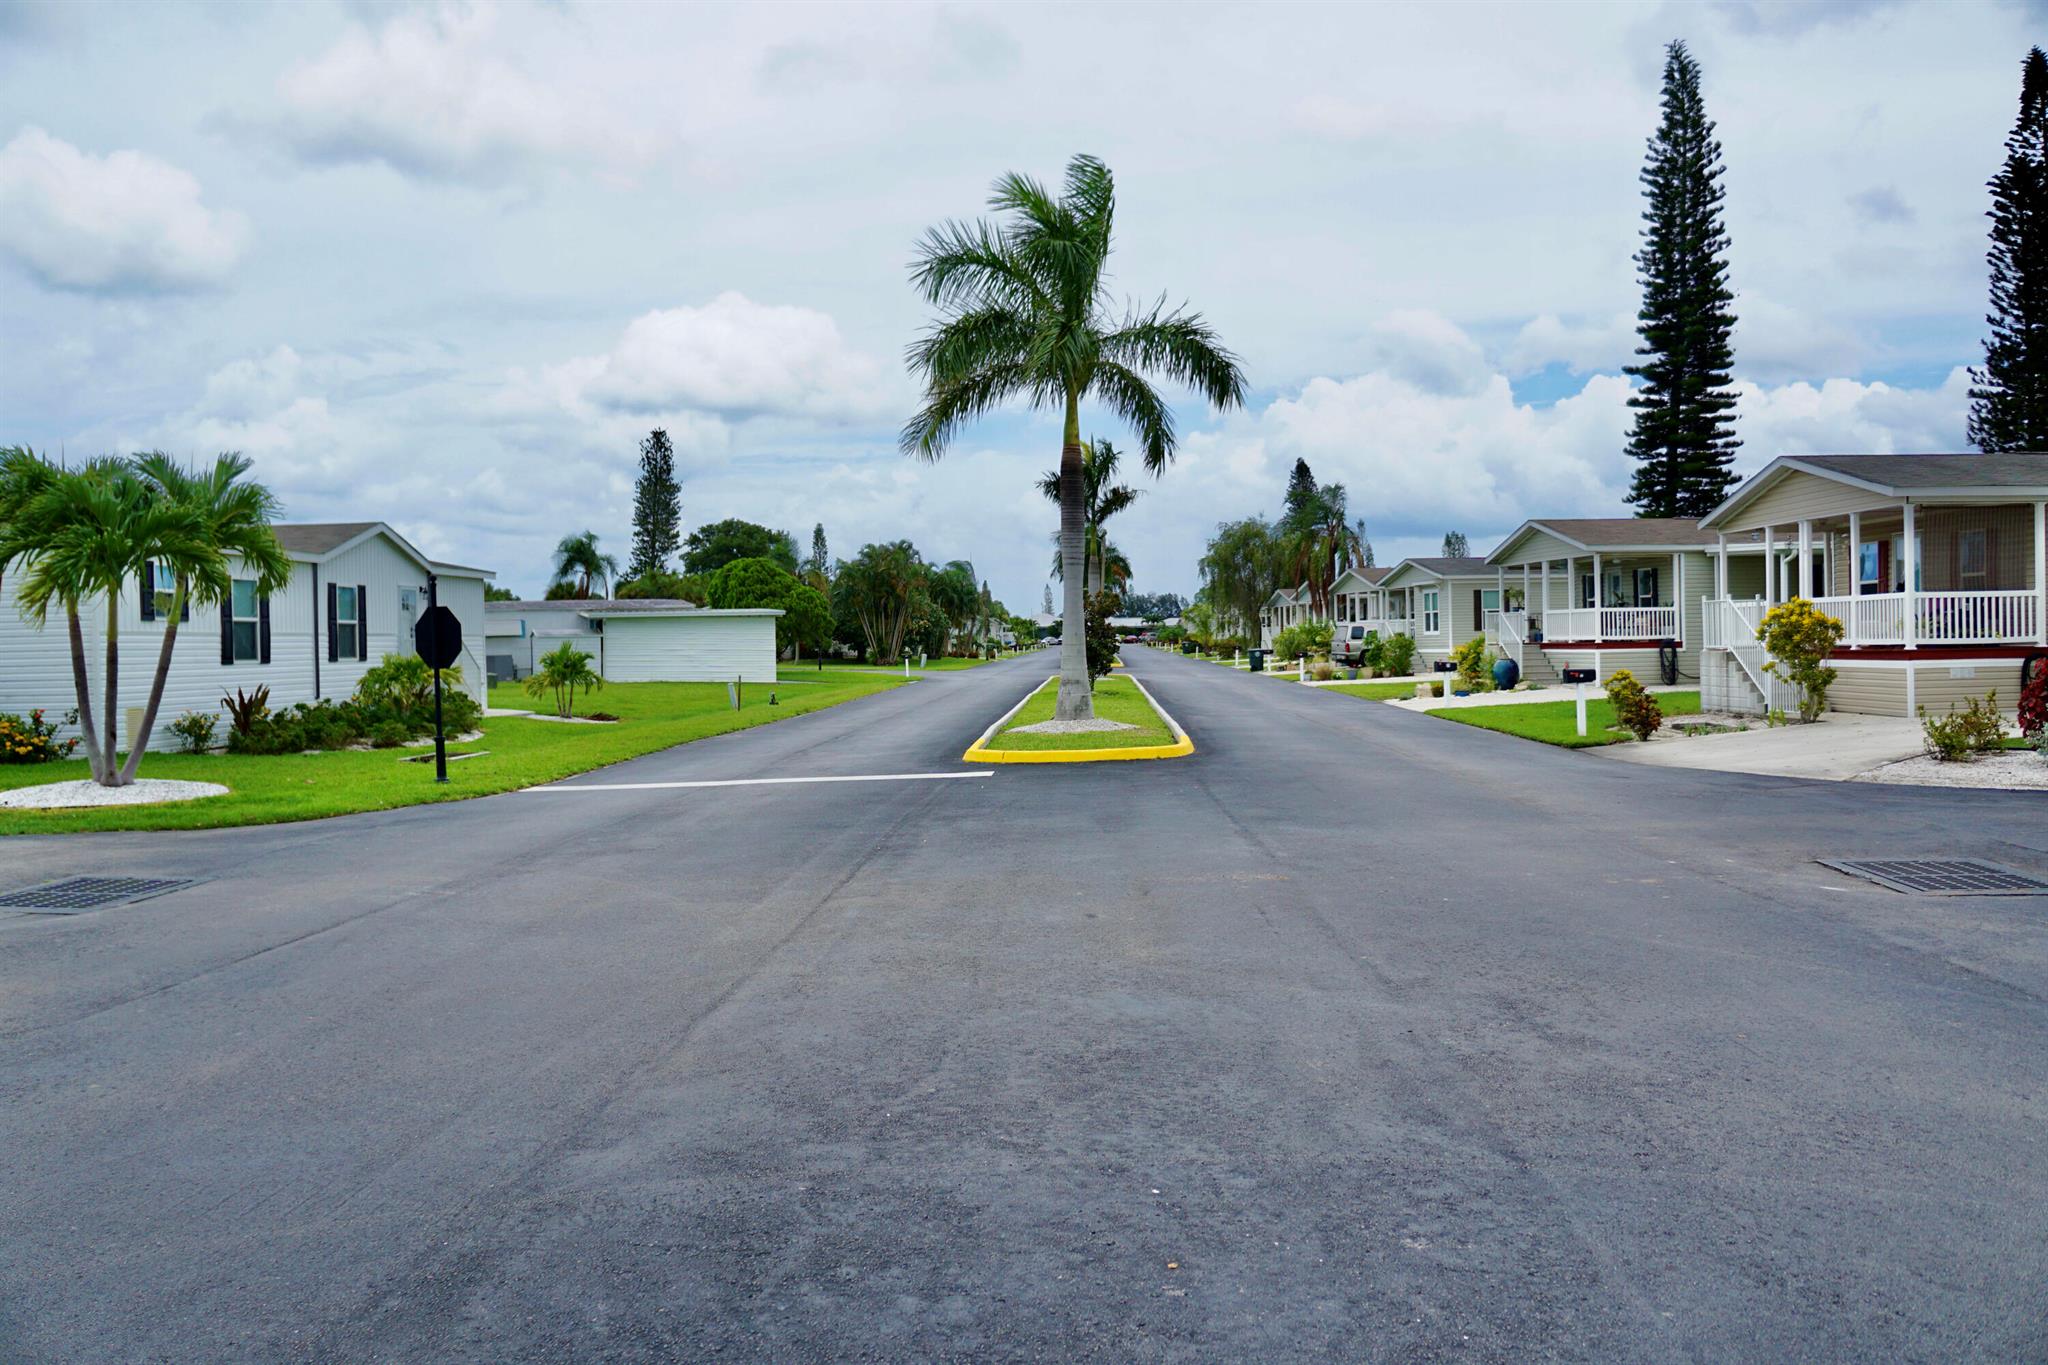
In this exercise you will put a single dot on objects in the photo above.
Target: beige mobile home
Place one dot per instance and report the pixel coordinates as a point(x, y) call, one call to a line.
point(1447, 602)
point(1935, 564)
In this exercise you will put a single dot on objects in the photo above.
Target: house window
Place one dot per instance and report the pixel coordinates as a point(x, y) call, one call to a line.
point(1873, 562)
point(1973, 559)
point(1646, 587)
point(163, 588)
point(1489, 600)
point(348, 618)
point(1586, 597)
point(1432, 618)
point(243, 628)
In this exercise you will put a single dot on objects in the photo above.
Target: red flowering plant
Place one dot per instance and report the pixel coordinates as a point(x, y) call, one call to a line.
point(33, 739)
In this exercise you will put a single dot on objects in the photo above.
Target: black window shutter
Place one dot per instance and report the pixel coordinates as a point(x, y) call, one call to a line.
point(263, 629)
point(1479, 610)
point(149, 590)
point(333, 636)
point(362, 622)
point(185, 606)
point(227, 629)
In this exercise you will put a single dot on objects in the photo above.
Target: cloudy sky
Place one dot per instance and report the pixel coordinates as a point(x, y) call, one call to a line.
point(445, 265)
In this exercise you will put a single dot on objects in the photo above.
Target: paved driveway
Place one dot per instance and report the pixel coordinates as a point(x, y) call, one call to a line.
point(1356, 1035)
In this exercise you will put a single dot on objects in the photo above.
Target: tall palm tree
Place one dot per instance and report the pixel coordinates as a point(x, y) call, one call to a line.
point(1101, 500)
point(579, 555)
point(1321, 539)
point(236, 515)
point(952, 592)
point(882, 588)
point(1023, 313)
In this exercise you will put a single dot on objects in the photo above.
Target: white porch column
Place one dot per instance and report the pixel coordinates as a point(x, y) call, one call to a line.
point(1721, 565)
point(2041, 574)
point(1805, 558)
point(1528, 606)
point(1770, 566)
point(1678, 594)
point(1910, 562)
point(1855, 636)
point(1500, 595)
point(1599, 586)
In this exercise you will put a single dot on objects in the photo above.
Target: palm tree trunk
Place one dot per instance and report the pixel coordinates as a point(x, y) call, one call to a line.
point(1076, 700)
point(156, 685)
point(88, 732)
point(110, 742)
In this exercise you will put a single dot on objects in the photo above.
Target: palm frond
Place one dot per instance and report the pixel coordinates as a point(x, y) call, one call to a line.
point(1182, 347)
point(971, 264)
point(949, 405)
point(1129, 396)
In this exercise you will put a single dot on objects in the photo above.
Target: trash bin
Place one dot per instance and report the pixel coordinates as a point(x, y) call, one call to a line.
point(1258, 658)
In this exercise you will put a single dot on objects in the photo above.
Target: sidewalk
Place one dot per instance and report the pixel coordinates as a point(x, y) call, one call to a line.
point(1837, 746)
point(1594, 692)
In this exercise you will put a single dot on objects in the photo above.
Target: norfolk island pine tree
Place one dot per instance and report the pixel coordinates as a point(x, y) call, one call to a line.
point(1022, 314)
point(1683, 435)
point(2009, 393)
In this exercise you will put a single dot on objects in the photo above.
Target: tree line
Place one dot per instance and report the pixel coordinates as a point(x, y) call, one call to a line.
point(886, 601)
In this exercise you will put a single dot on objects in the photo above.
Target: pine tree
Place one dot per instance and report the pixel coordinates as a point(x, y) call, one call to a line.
point(1456, 546)
point(1683, 437)
point(1301, 497)
point(820, 565)
point(1047, 608)
point(1364, 544)
point(657, 507)
point(2009, 396)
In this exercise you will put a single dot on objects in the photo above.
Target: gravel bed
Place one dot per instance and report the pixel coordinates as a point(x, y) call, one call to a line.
point(143, 791)
point(2010, 770)
point(1069, 727)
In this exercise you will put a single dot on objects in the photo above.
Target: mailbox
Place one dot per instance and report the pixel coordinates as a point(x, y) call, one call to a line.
point(1579, 675)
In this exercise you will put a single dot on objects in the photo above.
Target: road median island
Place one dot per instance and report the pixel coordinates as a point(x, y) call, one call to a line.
point(1145, 729)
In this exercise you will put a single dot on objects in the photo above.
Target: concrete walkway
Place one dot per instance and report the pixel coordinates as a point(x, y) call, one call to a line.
point(1837, 746)
point(1533, 695)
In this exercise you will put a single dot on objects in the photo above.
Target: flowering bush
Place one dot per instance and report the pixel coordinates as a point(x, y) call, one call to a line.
point(1800, 637)
point(1635, 710)
point(2034, 701)
point(33, 739)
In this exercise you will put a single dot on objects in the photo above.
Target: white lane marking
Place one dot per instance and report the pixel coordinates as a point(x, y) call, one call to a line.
point(749, 782)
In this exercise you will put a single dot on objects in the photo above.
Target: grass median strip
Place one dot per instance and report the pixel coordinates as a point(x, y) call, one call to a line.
point(1556, 722)
point(522, 752)
point(1117, 698)
point(1373, 691)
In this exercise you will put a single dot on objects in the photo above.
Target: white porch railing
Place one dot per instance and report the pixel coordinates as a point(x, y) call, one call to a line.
point(1998, 617)
point(1610, 623)
point(1391, 625)
point(1512, 628)
point(1732, 626)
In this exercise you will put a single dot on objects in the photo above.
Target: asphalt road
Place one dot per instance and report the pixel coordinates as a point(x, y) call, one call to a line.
point(1355, 1035)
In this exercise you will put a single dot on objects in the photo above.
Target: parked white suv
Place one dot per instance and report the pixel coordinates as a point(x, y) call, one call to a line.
point(1347, 645)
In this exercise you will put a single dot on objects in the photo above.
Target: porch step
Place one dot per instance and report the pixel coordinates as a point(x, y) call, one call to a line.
point(1537, 668)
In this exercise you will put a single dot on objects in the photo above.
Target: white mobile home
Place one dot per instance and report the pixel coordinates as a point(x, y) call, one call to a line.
point(636, 640)
point(355, 592)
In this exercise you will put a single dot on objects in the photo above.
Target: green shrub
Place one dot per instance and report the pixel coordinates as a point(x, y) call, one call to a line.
point(1397, 655)
point(1800, 638)
point(31, 739)
point(1635, 710)
point(388, 734)
point(194, 730)
point(1100, 640)
point(1322, 670)
point(1959, 736)
point(1470, 661)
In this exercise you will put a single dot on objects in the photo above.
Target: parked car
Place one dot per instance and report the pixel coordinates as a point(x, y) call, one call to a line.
point(1347, 649)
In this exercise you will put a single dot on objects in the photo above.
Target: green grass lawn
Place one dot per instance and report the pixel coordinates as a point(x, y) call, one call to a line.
point(1555, 722)
point(1115, 699)
point(521, 753)
point(1374, 691)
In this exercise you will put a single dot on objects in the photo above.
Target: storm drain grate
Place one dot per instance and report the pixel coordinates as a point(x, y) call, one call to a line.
point(75, 894)
point(1943, 876)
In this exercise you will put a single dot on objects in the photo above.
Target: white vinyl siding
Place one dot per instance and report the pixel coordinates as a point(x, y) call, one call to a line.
point(690, 648)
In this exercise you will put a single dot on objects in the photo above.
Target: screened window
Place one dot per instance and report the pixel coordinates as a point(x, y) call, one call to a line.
point(1973, 559)
point(1872, 561)
point(244, 610)
point(348, 622)
point(1646, 587)
point(1432, 616)
point(163, 588)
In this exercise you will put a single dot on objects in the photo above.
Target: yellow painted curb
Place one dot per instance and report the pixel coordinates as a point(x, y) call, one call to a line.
point(979, 752)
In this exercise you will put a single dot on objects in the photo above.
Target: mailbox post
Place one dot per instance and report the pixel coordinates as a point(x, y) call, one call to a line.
point(1579, 677)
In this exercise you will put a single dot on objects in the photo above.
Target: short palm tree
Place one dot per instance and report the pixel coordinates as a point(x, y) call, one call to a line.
point(236, 515)
point(562, 671)
point(1023, 315)
point(579, 555)
point(1102, 500)
point(85, 532)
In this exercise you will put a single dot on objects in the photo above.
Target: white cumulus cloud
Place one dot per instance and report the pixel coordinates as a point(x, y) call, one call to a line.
point(121, 223)
point(437, 96)
point(733, 357)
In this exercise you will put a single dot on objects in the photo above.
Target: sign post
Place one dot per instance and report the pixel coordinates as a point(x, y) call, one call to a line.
point(438, 640)
point(1579, 677)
